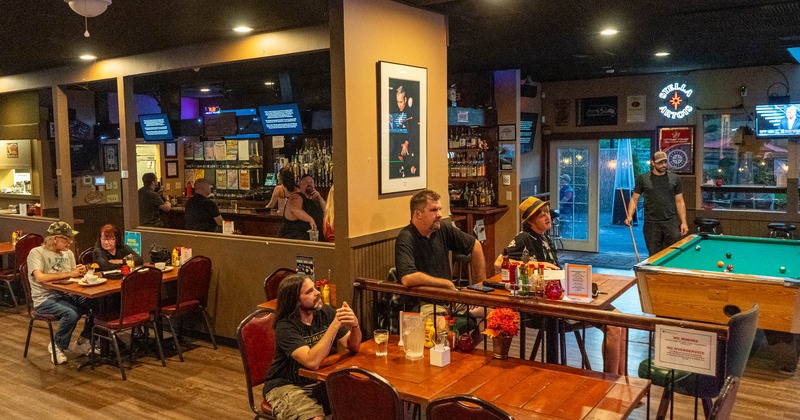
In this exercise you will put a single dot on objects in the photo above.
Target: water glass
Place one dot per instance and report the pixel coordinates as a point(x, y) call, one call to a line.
point(313, 235)
point(414, 338)
point(381, 337)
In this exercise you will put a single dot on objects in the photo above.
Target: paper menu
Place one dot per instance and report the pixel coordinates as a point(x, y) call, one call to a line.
point(579, 282)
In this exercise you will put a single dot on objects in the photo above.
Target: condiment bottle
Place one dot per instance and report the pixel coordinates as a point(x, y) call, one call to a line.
point(452, 334)
point(505, 266)
point(175, 258)
point(430, 333)
point(14, 238)
point(326, 293)
point(523, 279)
point(540, 280)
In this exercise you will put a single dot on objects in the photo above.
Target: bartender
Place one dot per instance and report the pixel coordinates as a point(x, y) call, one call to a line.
point(304, 211)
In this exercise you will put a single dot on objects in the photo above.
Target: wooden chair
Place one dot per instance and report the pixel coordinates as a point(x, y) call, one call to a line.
point(37, 316)
point(256, 338)
point(21, 251)
point(356, 393)
point(194, 279)
point(723, 406)
point(139, 305)
point(464, 407)
point(274, 280)
point(87, 256)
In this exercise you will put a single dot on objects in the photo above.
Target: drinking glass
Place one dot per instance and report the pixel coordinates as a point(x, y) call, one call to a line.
point(381, 338)
point(414, 338)
point(313, 235)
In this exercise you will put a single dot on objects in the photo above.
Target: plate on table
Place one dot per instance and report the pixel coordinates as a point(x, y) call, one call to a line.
point(167, 269)
point(100, 281)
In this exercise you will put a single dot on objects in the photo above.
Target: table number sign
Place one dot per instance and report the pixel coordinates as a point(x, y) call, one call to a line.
point(579, 282)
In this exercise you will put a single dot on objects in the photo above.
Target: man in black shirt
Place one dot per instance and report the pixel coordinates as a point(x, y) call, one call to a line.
point(202, 214)
point(305, 333)
point(304, 212)
point(151, 202)
point(421, 249)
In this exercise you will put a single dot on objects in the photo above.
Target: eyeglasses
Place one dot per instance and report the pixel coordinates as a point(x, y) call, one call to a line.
point(108, 239)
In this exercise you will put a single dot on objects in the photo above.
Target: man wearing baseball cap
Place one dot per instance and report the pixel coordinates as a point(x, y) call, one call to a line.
point(53, 261)
point(664, 209)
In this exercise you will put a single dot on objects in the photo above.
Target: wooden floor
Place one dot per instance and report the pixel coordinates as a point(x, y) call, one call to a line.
point(210, 384)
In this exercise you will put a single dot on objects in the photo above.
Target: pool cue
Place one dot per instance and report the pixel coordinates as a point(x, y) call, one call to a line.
point(625, 206)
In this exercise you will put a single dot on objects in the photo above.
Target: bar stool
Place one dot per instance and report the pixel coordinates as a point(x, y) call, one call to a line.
point(781, 230)
point(555, 230)
point(462, 263)
point(706, 225)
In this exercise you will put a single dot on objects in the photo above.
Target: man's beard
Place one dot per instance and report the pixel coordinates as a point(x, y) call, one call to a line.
point(436, 225)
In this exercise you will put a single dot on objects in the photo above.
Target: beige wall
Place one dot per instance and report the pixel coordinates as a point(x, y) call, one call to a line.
point(506, 93)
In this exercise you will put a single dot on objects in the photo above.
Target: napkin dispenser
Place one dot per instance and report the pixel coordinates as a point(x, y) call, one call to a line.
point(440, 355)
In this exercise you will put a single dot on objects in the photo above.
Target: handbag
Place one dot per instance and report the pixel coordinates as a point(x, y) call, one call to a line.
point(159, 254)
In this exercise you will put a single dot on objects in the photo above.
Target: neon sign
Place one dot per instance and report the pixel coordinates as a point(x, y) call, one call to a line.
point(676, 98)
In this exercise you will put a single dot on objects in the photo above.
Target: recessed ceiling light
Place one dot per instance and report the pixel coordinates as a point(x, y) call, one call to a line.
point(609, 32)
point(269, 83)
point(662, 54)
point(243, 29)
point(205, 90)
point(88, 57)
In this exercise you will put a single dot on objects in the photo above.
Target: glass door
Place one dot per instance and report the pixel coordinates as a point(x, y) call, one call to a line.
point(573, 186)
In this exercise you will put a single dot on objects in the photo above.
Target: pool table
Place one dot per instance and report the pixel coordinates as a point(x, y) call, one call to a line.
point(684, 281)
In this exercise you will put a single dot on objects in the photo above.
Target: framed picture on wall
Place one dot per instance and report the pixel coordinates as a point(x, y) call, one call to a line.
point(172, 169)
point(678, 143)
point(170, 150)
point(110, 157)
point(403, 127)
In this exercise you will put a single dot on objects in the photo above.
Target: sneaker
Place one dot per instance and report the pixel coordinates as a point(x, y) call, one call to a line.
point(61, 358)
point(84, 346)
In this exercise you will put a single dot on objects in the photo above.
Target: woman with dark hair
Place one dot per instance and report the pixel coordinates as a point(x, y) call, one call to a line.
point(284, 190)
point(306, 332)
point(110, 249)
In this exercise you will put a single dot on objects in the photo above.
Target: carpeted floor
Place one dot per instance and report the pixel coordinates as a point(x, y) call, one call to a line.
point(599, 259)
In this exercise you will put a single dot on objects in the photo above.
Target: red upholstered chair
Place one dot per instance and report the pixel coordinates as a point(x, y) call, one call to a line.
point(256, 338)
point(274, 280)
point(356, 393)
point(194, 279)
point(139, 298)
point(464, 407)
point(36, 316)
point(21, 251)
point(87, 256)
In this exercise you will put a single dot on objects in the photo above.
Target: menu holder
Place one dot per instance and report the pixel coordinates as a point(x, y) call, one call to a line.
point(579, 283)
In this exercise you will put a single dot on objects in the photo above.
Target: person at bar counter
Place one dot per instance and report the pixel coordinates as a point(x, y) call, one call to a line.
point(284, 190)
point(664, 208)
point(151, 202)
point(53, 261)
point(536, 222)
point(306, 332)
point(202, 214)
point(110, 250)
point(303, 212)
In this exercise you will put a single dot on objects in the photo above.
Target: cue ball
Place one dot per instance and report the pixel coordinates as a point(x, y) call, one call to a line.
point(730, 267)
point(783, 269)
point(728, 255)
point(697, 248)
point(720, 264)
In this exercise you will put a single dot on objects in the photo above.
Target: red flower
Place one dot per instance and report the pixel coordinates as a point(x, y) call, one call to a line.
point(502, 322)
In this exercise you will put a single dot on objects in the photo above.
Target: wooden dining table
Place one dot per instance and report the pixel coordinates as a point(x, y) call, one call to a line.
point(523, 388)
point(6, 248)
point(108, 287)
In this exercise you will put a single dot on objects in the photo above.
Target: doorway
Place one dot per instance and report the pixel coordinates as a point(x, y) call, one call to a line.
point(574, 185)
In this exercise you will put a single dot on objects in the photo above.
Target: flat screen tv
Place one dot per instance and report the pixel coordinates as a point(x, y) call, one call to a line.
point(155, 127)
point(278, 120)
point(778, 120)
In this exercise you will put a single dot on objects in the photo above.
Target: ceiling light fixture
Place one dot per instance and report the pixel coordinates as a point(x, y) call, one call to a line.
point(269, 83)
point(87, 9)
point(243, 29)
point(662, 54)
point(87, 57)
point(205, 90)
point(609, 32)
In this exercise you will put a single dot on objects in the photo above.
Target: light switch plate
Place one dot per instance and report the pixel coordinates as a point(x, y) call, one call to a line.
point(508, 195)
point(123, 174)
point(506, 179)
point(112, 198)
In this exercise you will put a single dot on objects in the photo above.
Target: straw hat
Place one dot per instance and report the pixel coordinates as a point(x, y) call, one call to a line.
point(530, 206)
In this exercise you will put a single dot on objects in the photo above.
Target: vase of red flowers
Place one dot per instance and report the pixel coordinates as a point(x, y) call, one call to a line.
point(502, 324)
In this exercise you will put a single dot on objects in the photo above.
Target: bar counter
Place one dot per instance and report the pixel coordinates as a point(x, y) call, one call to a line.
point(250, 221)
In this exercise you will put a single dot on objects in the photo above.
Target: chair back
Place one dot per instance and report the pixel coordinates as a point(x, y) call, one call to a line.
point(26, 287)
point(256, 337)
point(350, 388)
point(87, 256)
point(464, 407)
point(24, 246)
point(194, 279)
point(274, 280)
point(140, 295)
point(741, 333)
point(723, 406)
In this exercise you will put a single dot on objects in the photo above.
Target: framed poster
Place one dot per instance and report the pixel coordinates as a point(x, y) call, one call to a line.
point(403, 127)
point(506, 153)
point(110, 157)
point(172, 169)
point(678, 143)
point(170, 149)
point(507, 132)
point(596, 111)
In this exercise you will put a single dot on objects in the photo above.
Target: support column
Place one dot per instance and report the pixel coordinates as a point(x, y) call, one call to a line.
point(63, 164)
point(127, 152)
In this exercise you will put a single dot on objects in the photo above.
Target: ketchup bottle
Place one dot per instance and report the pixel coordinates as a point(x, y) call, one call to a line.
point(504, 267)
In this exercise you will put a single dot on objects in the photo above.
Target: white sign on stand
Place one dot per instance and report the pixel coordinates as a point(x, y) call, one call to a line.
point(579, 282)
point(686, 349)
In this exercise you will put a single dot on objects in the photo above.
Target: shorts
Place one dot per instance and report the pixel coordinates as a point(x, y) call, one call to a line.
point(292, 402)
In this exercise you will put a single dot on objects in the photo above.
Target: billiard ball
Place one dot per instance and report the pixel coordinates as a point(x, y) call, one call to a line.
point(728, 255)
point(783, 269)
point(720, 264)
point(730, 267)
point(697, 248)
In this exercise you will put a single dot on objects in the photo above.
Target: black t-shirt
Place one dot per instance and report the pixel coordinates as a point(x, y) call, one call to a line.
point(290, 335)
point(200, 214)
point(298, 229)
point(415, 253)
point(540, 247)
point(149, 203)
point(659, 193)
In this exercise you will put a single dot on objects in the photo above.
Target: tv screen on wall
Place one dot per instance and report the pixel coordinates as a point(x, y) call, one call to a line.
point(781, 120)
point(281, 119)
point(155, 127)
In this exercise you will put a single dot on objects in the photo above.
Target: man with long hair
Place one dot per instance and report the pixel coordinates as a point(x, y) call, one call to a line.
point(305, 332)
